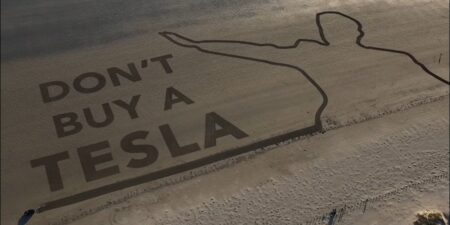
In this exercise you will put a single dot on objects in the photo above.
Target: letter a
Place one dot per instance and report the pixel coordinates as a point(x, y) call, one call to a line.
point(180, 97)
point(211, 133)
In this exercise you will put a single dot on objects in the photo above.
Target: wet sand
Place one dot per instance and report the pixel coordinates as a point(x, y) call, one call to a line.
point(385, 120)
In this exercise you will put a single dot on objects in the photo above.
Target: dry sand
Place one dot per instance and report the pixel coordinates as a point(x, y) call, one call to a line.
point(386, 119)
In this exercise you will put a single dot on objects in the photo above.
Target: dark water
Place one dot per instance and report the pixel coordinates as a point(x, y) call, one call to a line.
point(31, 28)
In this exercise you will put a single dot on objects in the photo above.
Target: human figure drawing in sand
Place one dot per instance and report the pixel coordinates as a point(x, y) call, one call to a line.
point(320, 60)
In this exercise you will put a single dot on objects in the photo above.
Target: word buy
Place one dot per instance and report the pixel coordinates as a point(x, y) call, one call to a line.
point(95, 159)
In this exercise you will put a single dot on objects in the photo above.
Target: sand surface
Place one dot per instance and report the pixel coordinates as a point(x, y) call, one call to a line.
point(335, 117)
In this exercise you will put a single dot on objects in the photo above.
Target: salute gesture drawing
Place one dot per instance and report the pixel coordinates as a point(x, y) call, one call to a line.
point(329, 52)
point(345, 72)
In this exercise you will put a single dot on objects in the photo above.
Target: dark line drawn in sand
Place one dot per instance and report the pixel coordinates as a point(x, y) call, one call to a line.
point(317, 127)
point(323, 42)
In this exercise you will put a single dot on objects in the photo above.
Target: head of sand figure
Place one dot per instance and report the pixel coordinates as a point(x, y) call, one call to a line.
point(338, 29)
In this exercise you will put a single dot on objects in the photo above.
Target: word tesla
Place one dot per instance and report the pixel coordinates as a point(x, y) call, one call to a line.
point(91, 156)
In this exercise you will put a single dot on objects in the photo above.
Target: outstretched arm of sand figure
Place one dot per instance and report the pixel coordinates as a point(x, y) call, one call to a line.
point(230, 48)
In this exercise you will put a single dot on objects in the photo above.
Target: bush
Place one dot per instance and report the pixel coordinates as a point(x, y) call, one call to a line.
point(430, 218)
